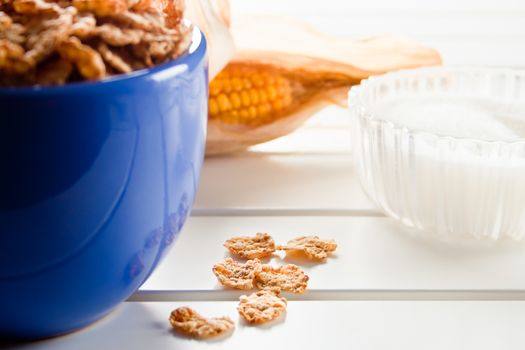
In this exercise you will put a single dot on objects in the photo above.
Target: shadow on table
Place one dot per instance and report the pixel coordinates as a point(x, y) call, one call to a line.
point(131, 326)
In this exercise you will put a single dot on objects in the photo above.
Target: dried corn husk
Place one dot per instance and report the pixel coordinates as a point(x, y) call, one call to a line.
point(320, 68)
point(213, 18)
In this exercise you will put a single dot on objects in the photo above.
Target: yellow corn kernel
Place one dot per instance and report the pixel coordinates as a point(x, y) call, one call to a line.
point(263, 110)
point(263, 96)
point(247, 83)
point(237, 84)
point(244, 114)
point(236, 101)
point(272, 93)
point(245, 96)
point(281, 81)
point(226, 86)
point(216, 87)
point(213, 107)
point(224, 103)
point(253, 112)
point(257, 80)
point(254, 96)
point(269, 80)
point(250, 94)
point(277, 105)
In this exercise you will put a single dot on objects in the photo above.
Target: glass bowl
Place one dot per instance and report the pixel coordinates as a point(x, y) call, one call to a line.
point(442, 150)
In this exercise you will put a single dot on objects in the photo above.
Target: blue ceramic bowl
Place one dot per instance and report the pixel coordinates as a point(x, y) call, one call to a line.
point(96, 181)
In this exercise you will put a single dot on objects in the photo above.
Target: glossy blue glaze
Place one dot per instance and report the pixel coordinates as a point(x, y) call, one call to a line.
point(96, 181)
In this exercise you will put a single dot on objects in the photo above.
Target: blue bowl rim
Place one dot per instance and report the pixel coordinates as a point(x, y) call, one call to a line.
point(192, 57)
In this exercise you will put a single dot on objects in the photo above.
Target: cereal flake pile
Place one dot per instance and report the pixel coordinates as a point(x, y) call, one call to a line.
point(53, 42)
point(266, 304)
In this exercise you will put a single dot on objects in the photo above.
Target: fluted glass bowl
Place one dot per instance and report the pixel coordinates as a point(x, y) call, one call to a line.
point(442, 150)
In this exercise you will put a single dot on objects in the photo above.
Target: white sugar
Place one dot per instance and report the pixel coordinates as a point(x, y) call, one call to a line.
point(477, 119)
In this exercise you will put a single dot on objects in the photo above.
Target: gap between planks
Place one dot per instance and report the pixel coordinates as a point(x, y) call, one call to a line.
point(225, 212)
point(291, 153)
point(339, 295)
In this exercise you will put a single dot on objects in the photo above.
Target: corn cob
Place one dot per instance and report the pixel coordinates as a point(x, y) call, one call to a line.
point(284, 71)
point(249, 95)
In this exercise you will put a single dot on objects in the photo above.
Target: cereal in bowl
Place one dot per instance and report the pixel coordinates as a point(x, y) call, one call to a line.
point(45, 42)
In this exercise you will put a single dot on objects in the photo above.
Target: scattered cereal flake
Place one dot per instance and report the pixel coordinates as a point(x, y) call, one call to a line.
point(260, 246)
point(260, 307)
point(102, 7)
point(231, 273)
point(188, 321)
point(88, 61)
point(312, 246)
point(54, 73)
point(113, 59)
point(289, 278)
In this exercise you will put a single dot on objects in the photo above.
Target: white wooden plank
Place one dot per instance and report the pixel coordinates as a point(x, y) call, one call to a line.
point(502, 51)
point(299, 181)
point(314, 325)
point(374, 254)
point(466, 32)
point(454, 25)
point(327, 131)
point(309, 140)
point(379, 6)
point(461, 38)
point(423, 21)
point(331, 117)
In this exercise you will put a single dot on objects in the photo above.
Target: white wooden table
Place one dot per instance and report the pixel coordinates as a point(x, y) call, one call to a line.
point(383, 289)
